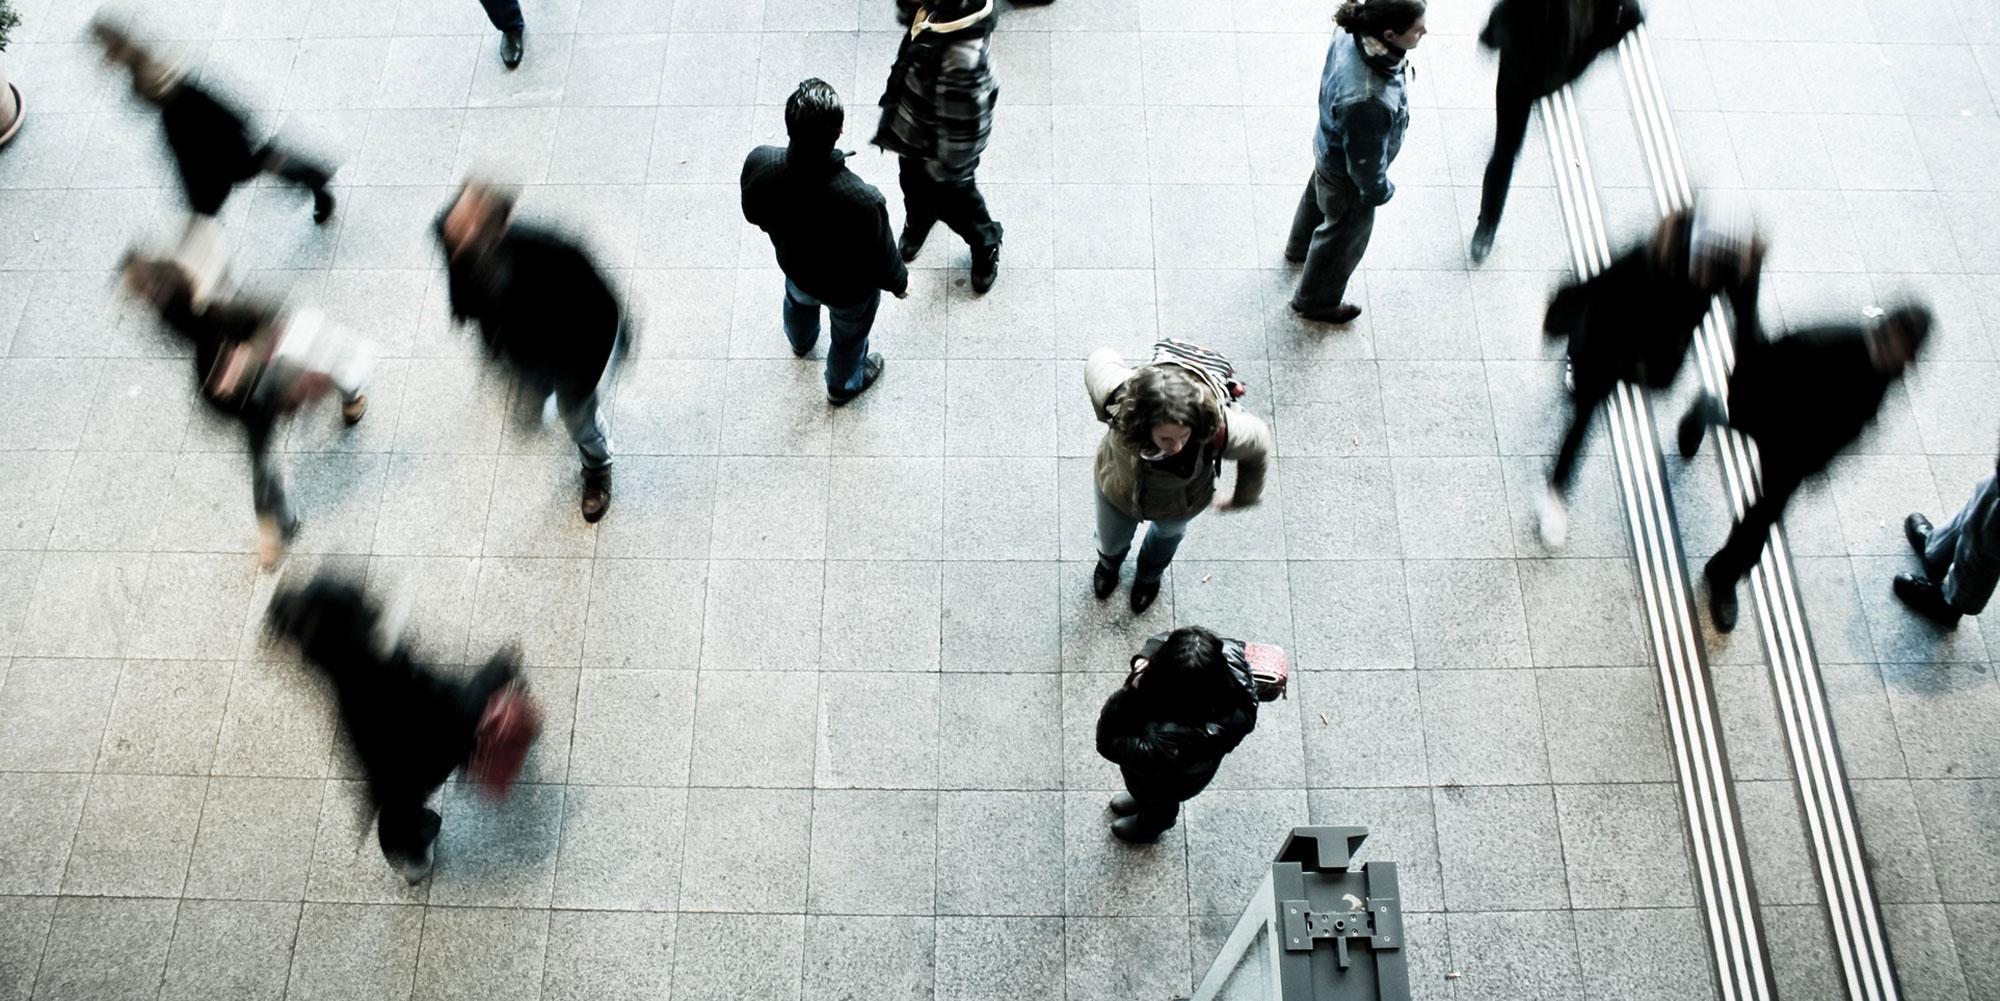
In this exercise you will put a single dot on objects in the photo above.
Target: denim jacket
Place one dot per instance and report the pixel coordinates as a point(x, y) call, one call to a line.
point(1362, 114)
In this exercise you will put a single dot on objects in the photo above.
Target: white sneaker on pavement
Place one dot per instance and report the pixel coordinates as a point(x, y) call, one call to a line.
point(1552, 518)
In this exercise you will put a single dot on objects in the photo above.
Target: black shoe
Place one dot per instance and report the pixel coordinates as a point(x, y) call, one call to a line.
point(596, 494)
point(1124, 805)
point(1343, 313)
point(322, 206)
point(1917, 529)
point(911, 243)
point(1143, 593)
point(1294, 256)
point(510, 49)
point(1693, 424)
point(871, 370)
point(985, 267)
point(1721, 602)
point(1103, 581)
point(1482, 243)
point(1127, 829)
point(1925, 599)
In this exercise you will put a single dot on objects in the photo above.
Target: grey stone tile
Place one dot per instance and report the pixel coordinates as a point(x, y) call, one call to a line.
point(195, 606)
point(1434, 408)
point(1973, 934)
point(885, 508)
point(52, 713)
point(41, 813)
point(347, 862)
point(1655, 953)
point(1471, 612)
point(1084, 694)
point(1331, 408)
point(1954, 811)
point(903, 415)
point(1623, 846)
point(770, 508)
point(609, 955)
point(762, 615)
point(1869, 745)
point(255, 840)
point(878, 731)
point(1467, 494)
point(632, 728)
point(722, 956)
point(664, 509)
point(1507, 954)
point(1801, 949)
point(1483, 728)
point(1898, 859)
point(410, 146)
point(1203, 226)
point(754, 729)
point(775, 407)
point(1339, 509)
point(1583, 613)
point(439, 591)
point(537, 605)
point(1479, 825)
point(986, 959)
point(747, 850)
point(1938, 710)
point(881, 616)
point(1105, 877)
point(498, 854)
point(1351, 614)
point(1000, 509)
point(480, 953)
point(1017, 838)
point(1207, 303)
point(232, 949)
point(435, 505)
point(1231, 834)
point(874, 957)
point(1111, 957)
point(1605, 725)
point(621, 848)
point(112, 948)
point(995, 613)
point(1401, 829)
point(1001, 730)
point(1103, 636)
point(873, 852)
point(350, 951)
point(1927, 959)
point(24, 933)
point(533, 512)
point(1000, 408)
point(134, 836)
point(1362, 729)
point(18, 581)
point(110, 501)
point(81, 604)
point(277, 723)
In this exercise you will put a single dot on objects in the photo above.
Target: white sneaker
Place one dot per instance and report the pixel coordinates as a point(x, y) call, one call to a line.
point(1553, 518)
point(1569, 376)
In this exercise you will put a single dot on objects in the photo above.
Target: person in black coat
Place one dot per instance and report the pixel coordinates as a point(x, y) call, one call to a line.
point(545, 311)
point(1544, 46)
point(411, 727)
point(1802, 398)
point(1635, 320)
point(832, 234)
point(1186, 704)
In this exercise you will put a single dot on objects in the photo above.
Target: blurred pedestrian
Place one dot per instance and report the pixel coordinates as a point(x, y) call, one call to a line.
point(1635, 320)
point(1363, 112)
point(1185, 705)
point(1961, 560)
point(1171, 422)
point(1544, 46)
point(507, 19)
point(256, 363)
point(545, 311)
point(1802, 398)
point(936, 115)
point(831, 231)
point(411, 727)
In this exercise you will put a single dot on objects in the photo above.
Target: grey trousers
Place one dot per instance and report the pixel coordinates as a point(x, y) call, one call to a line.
point(1330, 230)
point(1962, 562)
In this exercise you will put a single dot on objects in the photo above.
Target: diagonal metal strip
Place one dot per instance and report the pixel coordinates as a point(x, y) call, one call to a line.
point(1853, 912)
point(1728, 896)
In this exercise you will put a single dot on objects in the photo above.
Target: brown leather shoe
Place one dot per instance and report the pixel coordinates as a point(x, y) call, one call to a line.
point(352, 410)
point(596, 494)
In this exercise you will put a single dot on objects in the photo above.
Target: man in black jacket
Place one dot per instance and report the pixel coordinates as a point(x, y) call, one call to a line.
point(831, 231)
point(1802, 398)
point(545, 310)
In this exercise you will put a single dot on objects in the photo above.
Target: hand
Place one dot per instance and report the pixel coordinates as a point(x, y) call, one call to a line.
point(1224, 504)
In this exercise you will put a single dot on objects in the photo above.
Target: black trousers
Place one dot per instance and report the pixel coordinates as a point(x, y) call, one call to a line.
point(404, 826)
point(209, 182)
point(1513, 101)
point(957, 203)
point(267, 484)
point(1780, 478)
point(1584, 404)
point(505, 14)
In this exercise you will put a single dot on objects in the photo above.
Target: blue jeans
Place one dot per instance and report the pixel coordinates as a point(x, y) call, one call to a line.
point(849, 344)
point(1115, 528)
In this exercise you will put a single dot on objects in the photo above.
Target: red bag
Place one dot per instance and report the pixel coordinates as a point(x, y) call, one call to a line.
point(1269, 669)
point(507, 729)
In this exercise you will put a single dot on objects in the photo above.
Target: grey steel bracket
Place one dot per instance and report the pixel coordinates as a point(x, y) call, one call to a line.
point(1377, 917)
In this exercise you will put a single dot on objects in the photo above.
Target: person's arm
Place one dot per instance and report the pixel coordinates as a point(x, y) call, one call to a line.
point(895, 274)
point(1249, 446)
point(1103, 373)
point(1119, 728)
point(1364, 126)
point(966, 94)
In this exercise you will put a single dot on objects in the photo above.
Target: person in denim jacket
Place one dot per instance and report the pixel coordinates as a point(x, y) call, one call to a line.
point(1363, 111)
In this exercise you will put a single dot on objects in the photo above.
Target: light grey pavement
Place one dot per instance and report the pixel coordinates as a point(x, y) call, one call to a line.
point(823, 683)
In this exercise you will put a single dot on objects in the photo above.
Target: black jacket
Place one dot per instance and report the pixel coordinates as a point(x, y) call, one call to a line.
point(1170, 760)
point(1807, 395)
point(541, 305)
point(211, 146)
point(1541, 46)
point(830, 228)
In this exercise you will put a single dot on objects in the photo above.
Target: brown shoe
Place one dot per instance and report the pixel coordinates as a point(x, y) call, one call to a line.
point(596, 494)
point(352, 410)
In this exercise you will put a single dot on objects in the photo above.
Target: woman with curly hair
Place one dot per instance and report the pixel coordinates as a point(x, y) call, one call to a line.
point(1172, 423)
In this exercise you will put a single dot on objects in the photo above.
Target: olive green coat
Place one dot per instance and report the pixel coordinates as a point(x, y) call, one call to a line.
point(1144, 491)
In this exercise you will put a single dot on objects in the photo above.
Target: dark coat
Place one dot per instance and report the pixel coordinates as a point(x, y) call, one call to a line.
point(541, 306)
point(1807, 395)
point(830, 228)
point(211, 146)
point(1170, 760)
point(938, 104)
point(1541, 47)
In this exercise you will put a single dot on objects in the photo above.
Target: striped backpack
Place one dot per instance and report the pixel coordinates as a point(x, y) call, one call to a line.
point(1211, 365)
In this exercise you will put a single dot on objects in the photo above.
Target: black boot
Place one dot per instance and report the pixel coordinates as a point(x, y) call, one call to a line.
point(1925, 599)
point(1482, 242)
point(1695, 423)
point(510, 49)
point(911, 243)
point(985, 267)
point(1103, 580)
point(322, 206)
point(1917, 529)
point(1721, 600)
point(1143, 594)
point(1127, 829)
point(1124, 805)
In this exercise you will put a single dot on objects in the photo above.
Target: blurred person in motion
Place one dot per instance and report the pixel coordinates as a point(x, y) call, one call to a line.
point(937, 112)
point(212, 151)
point(1172, 422)
point(1961, 560)
point(1635, 320)
point(1802, 398)
point(1185, 705)
point(1363, 112)
point(832, 234)
point(507, 20)
point(257, 362)
point(546, 312)
point(1544, 46)
point(410, 726)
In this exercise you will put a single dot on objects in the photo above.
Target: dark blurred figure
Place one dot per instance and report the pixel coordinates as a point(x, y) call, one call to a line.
point(1363, 112)
point(211, 147)
point(831, 230)
point(411, 727)
point(1544, 46)
point(1635, 320)
point(1186, 703)
point(546, 311)
point(937, 112)
point(256, 363)
point(1961, 560)
point(507, 19)
point(1802, 397)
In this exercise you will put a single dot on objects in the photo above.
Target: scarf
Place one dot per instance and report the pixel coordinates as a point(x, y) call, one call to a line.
point(1385, 58)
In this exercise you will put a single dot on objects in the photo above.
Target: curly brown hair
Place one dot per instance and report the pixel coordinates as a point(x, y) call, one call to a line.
point(1163, 394)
